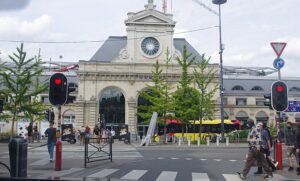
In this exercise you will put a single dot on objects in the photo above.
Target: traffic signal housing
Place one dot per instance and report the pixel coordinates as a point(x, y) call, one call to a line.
point(70, 98)
point(279, 96)
point(58, 89)
point(268, 101)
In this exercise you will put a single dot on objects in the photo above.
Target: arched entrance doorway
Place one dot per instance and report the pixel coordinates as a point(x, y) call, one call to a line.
point(262, 117)
point(243, 117)
point(112, 109)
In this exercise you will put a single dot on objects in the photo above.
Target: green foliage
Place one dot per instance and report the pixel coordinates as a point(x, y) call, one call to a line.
point(157, 96)
point(17, 85)
point(4, 137)
point(204, 78)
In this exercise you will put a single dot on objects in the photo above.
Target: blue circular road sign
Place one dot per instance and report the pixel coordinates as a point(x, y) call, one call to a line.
point(278, 63)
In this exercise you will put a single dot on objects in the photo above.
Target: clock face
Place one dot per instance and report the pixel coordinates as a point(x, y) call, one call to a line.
point(150, 46)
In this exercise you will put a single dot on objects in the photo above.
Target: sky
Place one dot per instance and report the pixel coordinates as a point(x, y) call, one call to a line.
point(248, 28)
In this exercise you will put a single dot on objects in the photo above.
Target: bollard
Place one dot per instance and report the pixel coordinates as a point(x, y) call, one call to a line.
point(174, 139)
point(189, 142)
point(166, 139)
point(17, 157)
point(218, 141)
point(227, 141)
point(58, 152)
point(279, 155)
point(207, 141)
point(198, 141)
point(179, 141)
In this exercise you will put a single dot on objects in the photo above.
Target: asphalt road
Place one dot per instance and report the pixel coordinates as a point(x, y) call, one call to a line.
point(146, 163)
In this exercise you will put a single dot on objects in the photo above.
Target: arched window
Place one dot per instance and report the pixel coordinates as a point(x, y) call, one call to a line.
point(238, 88)
point(69, 117)
point(112, 106)
point(243, 117)
point(257, 88)
point(261, 116)
point(295, 89)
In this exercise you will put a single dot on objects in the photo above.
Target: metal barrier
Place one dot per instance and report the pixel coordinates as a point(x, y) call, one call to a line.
point(97, 149)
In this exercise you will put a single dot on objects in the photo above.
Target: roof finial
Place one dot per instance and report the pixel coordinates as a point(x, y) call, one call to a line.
point(150, 5)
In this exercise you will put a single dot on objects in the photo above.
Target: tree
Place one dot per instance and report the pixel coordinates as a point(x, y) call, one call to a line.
point(158, 96)
point(17, 81)
point(35, 108)
point(185, 97)
point(204, 78)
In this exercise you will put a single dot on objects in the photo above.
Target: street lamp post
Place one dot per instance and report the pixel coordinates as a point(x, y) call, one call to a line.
point(219, 2)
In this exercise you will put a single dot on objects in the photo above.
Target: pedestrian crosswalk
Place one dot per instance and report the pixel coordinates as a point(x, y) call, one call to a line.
point(137, 174)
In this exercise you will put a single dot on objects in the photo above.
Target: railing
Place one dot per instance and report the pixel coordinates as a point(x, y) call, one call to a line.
point(97, 149)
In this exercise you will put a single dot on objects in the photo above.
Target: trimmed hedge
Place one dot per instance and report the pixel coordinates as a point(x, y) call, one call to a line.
point(4, 137)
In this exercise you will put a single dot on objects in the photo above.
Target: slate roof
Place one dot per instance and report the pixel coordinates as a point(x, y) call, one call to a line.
point(112, 46)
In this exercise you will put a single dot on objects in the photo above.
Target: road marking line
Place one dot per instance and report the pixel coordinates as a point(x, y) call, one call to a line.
point(233, 160)
point(103, 173)
point(40, 162)
point(231, 177)
point(160, 158)
point(167, 176)
point(200, 177)
point(203, 159)
point(134, 175)
point(217, 160)
point(61, 173)
point(174, 158)
point(188, 158)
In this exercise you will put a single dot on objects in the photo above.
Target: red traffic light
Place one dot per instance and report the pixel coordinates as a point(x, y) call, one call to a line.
point(57, 81)
point(279, 88)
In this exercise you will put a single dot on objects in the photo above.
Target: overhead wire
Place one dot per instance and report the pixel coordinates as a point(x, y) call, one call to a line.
point(100, 41)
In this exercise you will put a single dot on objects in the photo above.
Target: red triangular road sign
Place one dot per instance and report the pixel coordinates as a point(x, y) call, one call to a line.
point(278, 47)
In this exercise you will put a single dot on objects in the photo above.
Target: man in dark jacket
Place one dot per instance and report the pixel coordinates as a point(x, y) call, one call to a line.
point(291, 145)
point(298, 146)
point(51, 133)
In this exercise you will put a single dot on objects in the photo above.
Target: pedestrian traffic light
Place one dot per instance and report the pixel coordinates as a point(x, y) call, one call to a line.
point(1, 105)
point(268, 100)
point(58, 89)
point(279, 96)
point(70, 98)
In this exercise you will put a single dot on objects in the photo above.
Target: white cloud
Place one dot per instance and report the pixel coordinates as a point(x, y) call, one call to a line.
point(14, 27)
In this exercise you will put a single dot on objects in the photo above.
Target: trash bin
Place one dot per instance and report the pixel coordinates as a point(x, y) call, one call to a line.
point(18, 157)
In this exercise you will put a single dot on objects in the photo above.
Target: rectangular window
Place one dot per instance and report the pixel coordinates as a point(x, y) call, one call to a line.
point(260, 102)
point(241, 102)
point(45, 99)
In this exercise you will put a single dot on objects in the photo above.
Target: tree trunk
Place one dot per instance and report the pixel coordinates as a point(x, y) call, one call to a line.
point(13, 125)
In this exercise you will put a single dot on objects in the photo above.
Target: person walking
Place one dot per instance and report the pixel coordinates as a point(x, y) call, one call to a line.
point(51, 134)
point(255, 153)
point(266, 147)
point(291, 145)
point(29, 132)
point(298, 146)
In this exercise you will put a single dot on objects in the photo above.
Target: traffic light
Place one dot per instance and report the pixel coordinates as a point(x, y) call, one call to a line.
point(1, 105)
point(279, 96)
point(268, 100)
point(58, 89)
point(70, 98)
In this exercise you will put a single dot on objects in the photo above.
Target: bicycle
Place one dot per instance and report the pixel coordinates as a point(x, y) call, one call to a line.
point(4, 170)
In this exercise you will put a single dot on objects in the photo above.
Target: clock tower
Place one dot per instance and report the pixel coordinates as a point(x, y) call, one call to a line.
point(149, 34)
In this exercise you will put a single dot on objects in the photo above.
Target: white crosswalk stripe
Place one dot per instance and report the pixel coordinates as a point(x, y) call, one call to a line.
point(200, 177)
point(103, 173)
point(167, 176)
point(232, 177)
point(40, 162)
point(134, 175)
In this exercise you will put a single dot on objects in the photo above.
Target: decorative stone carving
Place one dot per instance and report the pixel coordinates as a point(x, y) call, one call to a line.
point(124, 54)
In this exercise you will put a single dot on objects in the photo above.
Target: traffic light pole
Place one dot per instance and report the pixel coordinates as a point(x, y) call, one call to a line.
point(58, 153)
